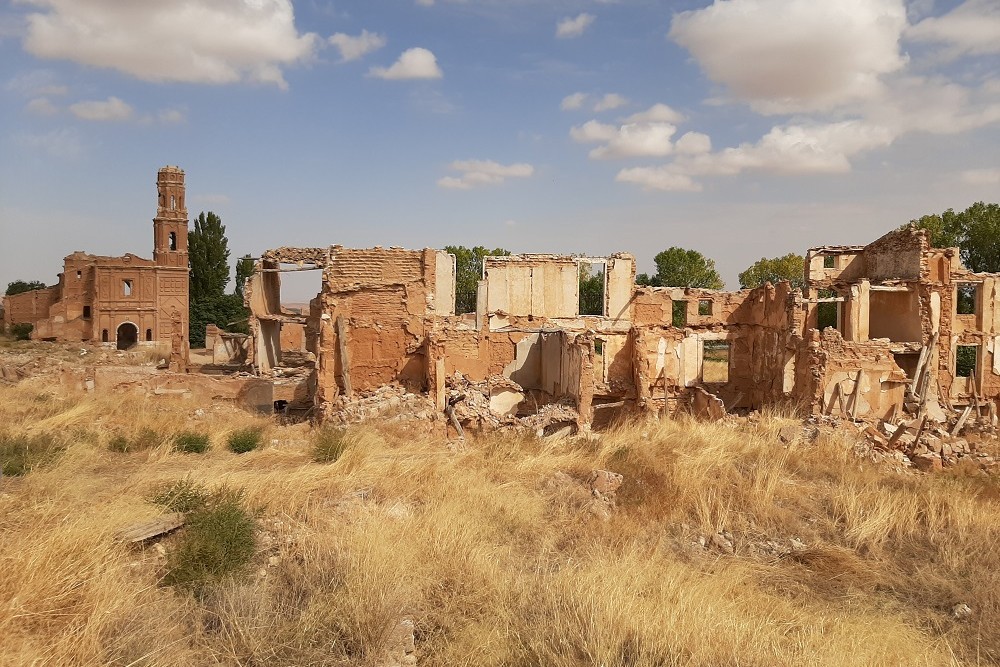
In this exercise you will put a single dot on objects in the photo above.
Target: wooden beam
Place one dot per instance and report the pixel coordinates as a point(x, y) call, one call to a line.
point(345, 357)
point(146, 530)
point(961, 420)
point(853, 402)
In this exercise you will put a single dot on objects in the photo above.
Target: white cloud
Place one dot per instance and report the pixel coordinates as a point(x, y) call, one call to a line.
point(786, 56)
point(658, 113)
point(973, 28)
point(788, 149)
point(61, 143)
point(981, 176)
point(36, 83)
point(41, 106)
point(658, 178)
point(610, 101)
point(628, 140)
point(415, 63)
point(483, 172)
point(592, 131)
point(352, 48)
point(171, 116)
point(573, 102)
point(111, 109)
point(224, 41)
point(574, 26)
point(693, 143)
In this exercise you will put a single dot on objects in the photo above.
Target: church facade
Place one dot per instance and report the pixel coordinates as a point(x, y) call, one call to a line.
point(127, 300)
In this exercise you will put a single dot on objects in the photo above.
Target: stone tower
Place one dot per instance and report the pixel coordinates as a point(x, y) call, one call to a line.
point(170, 226)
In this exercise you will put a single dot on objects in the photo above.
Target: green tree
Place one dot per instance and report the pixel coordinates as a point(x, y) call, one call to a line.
point(591, 289)
point(790, 267)
point(677, 267)
point(244, 269)
point(975, 231)
point(468, 273)
point(981, 245)
point(208, 253)
point(21, 286)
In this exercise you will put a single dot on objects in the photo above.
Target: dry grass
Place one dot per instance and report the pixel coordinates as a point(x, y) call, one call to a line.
point(493, 550)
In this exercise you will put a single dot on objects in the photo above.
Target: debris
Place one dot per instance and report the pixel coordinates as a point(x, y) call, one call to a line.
point(147, 530)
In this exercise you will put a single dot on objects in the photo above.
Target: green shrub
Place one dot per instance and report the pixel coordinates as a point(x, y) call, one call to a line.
point(19, 454)
point(21, 330)
point(328, 444)
point(146, 439)
point(182, 496)
point(244, 440)
point(191, 443)
point(218, 542)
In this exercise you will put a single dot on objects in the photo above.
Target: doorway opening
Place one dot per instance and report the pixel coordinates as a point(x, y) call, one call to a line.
point(127, 336)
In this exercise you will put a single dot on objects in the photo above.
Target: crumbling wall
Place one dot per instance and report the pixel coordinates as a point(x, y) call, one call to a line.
point(29, 307)
point(856, 380)
point(757, 325)
point(899, 255)
point(377, 306)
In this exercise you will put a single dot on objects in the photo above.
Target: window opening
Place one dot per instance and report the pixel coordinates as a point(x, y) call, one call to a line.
point(829, 262)
point(149, 334)
point(127, 287)
point(680, 313)
point(715, 361)
point(827, 314)
point(965, 360)
point(965, 303)
point(104, 336)
point(86, 312)
point(173, 202)
point(591, 276)
point(172, 240)
point(79, 274)
point(704, 306)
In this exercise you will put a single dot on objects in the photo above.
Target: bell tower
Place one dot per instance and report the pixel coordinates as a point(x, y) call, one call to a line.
point(170, 226)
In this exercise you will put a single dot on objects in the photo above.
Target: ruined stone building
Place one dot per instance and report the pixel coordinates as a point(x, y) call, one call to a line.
point(126, 300)
point(880, 329)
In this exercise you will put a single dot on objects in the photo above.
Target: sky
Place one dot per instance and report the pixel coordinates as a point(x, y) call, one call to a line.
point(739, 128)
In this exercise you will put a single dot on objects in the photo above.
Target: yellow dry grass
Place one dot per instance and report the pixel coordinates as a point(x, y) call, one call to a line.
point(493, 551)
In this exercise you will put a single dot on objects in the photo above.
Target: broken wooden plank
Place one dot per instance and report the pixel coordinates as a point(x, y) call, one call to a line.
point(853, 402)
point(450, 411)
point(147, 530)
point(961, 420)
point(345, 359)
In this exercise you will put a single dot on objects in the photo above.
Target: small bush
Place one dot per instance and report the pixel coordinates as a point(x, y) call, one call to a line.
point(21, 330)
point(182, 496)
point(191, 443)
point(20, 454)
point(146, 439)
point(218, 542)
point(244, 440)
point(328, 444)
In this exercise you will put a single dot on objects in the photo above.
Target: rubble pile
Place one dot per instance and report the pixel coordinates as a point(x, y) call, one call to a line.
point(498, 404)
point(919, 442)
point(387, 403)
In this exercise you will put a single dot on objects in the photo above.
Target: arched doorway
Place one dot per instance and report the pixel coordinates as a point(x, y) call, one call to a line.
point(127, 336)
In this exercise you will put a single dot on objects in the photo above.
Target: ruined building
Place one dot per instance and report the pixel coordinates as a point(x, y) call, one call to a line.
point(125, 300)
point(878, 330)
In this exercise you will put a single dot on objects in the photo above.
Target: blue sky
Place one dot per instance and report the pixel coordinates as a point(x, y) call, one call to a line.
point(740, 128)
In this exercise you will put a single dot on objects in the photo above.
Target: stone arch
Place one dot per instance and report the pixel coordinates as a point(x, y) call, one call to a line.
point(126, 336)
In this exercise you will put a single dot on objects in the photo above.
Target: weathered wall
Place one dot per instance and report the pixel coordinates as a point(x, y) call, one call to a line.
point(29, 307)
